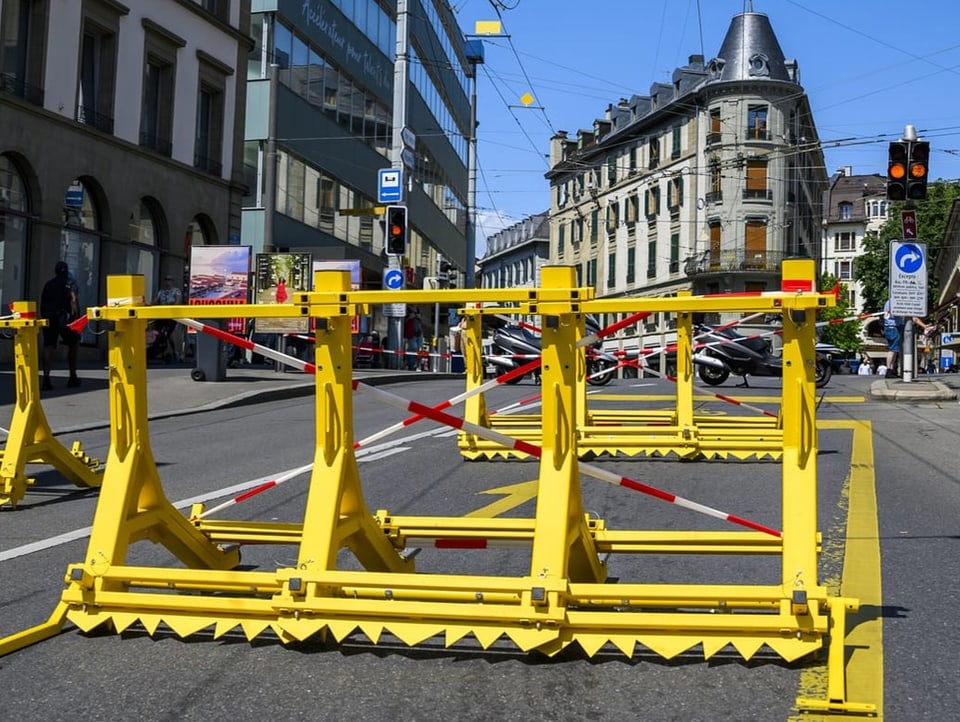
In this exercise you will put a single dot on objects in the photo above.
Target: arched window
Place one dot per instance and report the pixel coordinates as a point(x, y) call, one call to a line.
point(14, 231)
point(144, 231)
point(80, 242)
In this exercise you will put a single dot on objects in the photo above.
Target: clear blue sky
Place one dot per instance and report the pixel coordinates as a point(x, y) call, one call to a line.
point(868, 66)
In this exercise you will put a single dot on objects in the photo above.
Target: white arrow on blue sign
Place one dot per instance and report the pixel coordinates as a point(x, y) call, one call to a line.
point(393, 279)
point(389, 185)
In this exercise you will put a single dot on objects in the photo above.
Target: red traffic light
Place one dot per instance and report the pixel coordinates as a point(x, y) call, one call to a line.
point(396, 227)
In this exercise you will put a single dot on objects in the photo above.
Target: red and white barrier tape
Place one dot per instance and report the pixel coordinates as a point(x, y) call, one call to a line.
point(483, 432)
point(535, 451)
point(292, 474)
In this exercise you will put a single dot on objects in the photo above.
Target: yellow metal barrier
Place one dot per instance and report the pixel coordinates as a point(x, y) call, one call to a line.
point(31, 441)
point(563, 598)
point(631, 432)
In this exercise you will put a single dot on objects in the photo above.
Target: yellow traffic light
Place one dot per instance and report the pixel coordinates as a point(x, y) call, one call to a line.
point(897, 171)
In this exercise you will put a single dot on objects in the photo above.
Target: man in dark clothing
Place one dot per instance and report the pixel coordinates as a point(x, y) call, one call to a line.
point(59, 306)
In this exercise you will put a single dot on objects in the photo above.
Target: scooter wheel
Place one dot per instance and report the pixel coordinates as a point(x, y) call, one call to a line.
point(198, 375)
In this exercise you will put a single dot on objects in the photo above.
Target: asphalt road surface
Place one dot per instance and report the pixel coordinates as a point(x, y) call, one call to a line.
point(907, 452)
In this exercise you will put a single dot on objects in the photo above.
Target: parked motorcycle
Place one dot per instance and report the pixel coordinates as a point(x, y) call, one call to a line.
point(514, 346)
point(732, 353)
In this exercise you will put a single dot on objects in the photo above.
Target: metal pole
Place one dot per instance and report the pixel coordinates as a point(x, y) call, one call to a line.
point(270, 171)
point(469, 280)
point(908, 351)
point(401, 79)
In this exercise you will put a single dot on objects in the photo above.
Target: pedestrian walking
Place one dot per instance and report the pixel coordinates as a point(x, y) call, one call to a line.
point(59, 305)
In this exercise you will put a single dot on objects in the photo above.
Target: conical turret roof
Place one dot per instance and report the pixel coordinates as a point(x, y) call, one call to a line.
point(750, 50)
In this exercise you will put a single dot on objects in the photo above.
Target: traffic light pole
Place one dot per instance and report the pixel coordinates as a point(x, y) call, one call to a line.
point(401, 80)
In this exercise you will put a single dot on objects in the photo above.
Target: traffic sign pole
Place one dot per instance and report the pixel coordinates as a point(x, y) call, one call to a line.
point(908, 293)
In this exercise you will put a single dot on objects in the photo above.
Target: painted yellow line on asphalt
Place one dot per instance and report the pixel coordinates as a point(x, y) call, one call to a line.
point(515, 495)
point(700, 397)
point(860, 560)
point(860, 580)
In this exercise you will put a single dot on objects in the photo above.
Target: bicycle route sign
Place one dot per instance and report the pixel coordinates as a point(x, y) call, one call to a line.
point(908, 278)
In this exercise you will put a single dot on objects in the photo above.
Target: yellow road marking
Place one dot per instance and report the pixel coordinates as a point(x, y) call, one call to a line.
point(702, 397)
point(860, 580)
point(516, 494)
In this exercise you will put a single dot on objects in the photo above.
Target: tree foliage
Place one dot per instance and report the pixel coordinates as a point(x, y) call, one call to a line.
point(873, 267)
point(843, 335)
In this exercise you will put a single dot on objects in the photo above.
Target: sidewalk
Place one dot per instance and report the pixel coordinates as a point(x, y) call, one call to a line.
point(171, 391)
point(922, 388)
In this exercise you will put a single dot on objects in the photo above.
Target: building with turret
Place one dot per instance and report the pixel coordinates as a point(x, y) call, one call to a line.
point(704, 185)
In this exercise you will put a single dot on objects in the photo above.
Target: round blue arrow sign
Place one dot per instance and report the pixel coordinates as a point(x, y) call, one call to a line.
point(909, 258)
point(393, 279)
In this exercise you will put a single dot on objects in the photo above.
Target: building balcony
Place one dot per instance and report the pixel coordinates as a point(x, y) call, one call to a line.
point(10, 84)
point(733, 260)
point(89, 116)
point(757, 134)
point(208, 165)
point(713, 197)
point(714, 138)
point(757, 194)
point(163, 146)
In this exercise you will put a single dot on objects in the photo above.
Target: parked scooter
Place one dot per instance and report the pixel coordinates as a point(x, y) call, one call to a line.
point(732, 353)
point(514, 346)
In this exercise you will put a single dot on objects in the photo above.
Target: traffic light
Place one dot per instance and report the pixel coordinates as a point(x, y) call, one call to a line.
point(396, 230)
point(917, 171)
point(898, 158)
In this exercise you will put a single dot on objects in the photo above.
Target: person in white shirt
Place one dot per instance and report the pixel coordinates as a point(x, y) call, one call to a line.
point(866, 368)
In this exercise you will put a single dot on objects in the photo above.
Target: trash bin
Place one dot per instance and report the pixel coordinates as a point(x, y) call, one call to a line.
point(211, 359)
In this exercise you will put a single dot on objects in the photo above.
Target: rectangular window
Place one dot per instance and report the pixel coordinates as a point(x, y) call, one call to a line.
point(631, 264)
point(675, 147)
point(613, 216)
point(98, 61)
point(208, 144)
point(652, 257)
point(757, 123)
point(674, 252)
point(611, 270)
point(160, 64)
point(611, 169)
point(715, 246)
point(23, 48)
point(756, 179)
point(713, 136)
point(632, 209)
point(843, 270)
point(844, 241)
point(220, 9)
point(594, 227)
point(652, 202)
point(327, 194)
point(561, 239)
point(675, 193)
point(654, 148)
point(756, 245)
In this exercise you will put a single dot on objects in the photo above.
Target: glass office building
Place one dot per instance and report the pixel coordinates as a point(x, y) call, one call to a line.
point(334, 127)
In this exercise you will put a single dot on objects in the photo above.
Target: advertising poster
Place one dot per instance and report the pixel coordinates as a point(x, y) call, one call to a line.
point(219, 275)
point(345, 265)
point(278, 277)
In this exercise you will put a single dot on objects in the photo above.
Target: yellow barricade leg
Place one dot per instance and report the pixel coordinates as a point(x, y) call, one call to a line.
point(336, 514)
point(563, 547)
point(132, 504)
point(31, 441)
point(475, 407)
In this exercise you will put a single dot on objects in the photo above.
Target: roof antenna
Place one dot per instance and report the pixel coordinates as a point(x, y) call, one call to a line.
point(749, 6)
